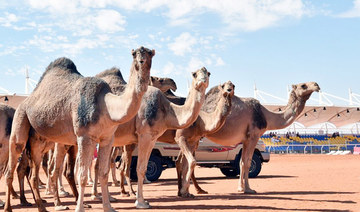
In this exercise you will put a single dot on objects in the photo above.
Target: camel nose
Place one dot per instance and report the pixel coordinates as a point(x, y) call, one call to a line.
point(141, 61)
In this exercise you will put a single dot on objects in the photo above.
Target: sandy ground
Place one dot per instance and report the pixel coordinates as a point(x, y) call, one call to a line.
point(286, 183)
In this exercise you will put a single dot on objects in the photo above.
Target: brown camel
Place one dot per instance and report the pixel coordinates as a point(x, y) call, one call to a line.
point(68, 108)
point(6, 118)
point(205, 123)
point(155, 116)
point(163, 84)
point(249, 120)
point(112, 75)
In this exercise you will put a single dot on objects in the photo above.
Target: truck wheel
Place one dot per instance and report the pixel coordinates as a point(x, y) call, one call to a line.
point(254, 170)
point(154, 168)
point(229, 172)
point(255, 167)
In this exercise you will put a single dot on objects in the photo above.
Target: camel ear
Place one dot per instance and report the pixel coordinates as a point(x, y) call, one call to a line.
point(194, 74)
point(152, 78)
point(294, 87)
point(153, 52)
point(209, 74)
point(133, 52)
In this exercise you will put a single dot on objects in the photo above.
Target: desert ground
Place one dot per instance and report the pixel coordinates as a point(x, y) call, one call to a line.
point(286, 183)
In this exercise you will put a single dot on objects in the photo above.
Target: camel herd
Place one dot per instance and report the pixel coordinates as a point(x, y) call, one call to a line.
point(68, 115)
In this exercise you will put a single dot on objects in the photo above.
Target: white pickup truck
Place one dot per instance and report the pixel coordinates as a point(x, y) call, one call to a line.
point(208, 154)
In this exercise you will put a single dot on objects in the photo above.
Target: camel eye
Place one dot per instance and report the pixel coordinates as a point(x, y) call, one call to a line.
point(161, 81)
point(303, 86)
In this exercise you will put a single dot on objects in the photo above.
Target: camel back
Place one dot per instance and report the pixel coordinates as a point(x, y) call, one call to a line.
point(8, 113)
point(211, 100)
point(115, 80)
point(64, 65)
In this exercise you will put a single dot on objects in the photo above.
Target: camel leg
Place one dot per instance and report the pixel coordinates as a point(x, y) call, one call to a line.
point(103, 172)
point(178, 165)
point(190, 162)
point(245, 163)
point(69, 171)
point(18, 138)
point(22, 171)
point(86, 148)
point(199, 190)
point(48, 190)
point(145, 145)
point(114, 154)
point(94, 192)
point(61, 189)
point(126, 165)
point(36, 159)
point(55, 164)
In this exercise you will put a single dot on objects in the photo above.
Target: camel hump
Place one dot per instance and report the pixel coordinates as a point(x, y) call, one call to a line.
point(113, 72)
point(211, 100)
point(63, 63)
point(88, 107)
point(258, 116)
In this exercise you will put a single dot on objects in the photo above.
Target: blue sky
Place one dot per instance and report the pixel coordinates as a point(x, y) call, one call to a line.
point(270, 43)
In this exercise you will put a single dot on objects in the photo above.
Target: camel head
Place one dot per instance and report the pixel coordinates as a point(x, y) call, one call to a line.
point(201, 78)
point(227, 91)
point(164, 84)
point(304, 90)
point(142, 58)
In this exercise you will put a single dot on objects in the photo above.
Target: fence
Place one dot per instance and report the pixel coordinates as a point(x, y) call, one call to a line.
point(310, 148)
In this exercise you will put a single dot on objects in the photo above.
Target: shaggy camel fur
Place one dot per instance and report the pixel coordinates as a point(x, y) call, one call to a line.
point(205, 123)
point(68, 108)
point(249, 120)
point(156, 115)
point(111, 75)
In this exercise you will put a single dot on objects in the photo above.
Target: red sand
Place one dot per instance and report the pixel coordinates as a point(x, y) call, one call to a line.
point(286, 183)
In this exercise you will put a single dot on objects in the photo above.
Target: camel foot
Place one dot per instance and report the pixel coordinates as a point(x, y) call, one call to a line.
point(125, 194)
point(63, 193)
point(90, 183)
point(87, 206)
point(96, 197)
point(61, 208)
point(186, 195)
point(25, 203)
point(201, 191)
point(41, 186)
point(247, 191)
point(112, 199)
point(116, 183)
point(144, 205)
point(49, 193)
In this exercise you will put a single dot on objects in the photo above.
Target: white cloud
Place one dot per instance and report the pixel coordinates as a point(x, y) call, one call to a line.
point(219, 62)
point(352, 13)
point(8, 19)
point(194, 64)
point(182, 44)
point(109, 21)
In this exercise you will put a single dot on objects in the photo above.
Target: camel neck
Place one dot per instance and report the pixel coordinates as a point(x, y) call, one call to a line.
point(186, 114)
point(124, 107)
point(283, 119)
point(210, 122)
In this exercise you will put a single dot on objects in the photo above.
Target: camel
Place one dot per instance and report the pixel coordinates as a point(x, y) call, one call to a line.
point(70, 109)
point(249, 120)
point(60, 150)
point(204, 124)
point(155, 116)
point(6, 118)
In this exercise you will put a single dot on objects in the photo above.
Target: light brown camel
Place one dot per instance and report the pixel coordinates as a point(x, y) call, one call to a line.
point(205, 123)
point(162, 83)
point(155, 116)
point(68, 108)
point(249, 120)
point(6, 118)
point(113, 76)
